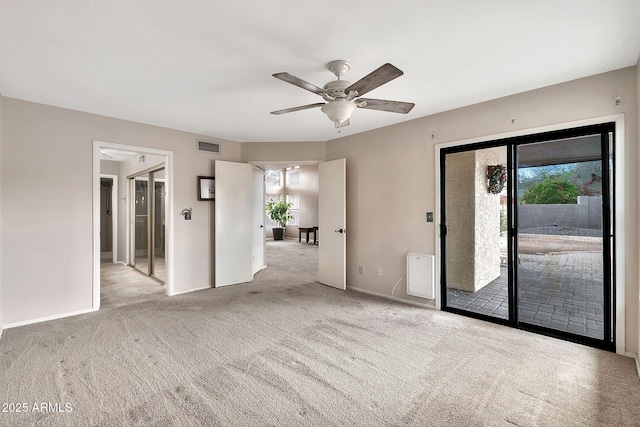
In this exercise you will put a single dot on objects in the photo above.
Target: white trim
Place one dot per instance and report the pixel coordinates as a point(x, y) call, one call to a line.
point(389, 297)
point(190, 290)
point(169, 283)
point(634, 356)
point(47, 318)
point(619, 208)
point(114, 215)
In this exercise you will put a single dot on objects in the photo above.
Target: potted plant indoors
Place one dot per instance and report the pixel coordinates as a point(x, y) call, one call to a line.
point(279, 213)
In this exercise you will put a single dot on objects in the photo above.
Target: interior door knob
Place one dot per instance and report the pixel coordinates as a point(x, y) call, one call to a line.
point(341, 230)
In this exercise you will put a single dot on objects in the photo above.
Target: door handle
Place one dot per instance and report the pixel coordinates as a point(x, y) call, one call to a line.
point(261, 226)
point(341, 230)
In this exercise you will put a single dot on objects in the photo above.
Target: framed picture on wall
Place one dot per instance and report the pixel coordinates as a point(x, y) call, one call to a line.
point(206, 188)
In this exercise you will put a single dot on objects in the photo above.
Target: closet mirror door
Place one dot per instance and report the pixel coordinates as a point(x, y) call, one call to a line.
point(158, 238)
point(140, 229)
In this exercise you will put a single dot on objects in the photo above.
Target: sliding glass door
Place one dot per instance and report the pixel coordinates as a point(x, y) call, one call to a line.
point(562, 222)
point(476, 232)
point(527, 234)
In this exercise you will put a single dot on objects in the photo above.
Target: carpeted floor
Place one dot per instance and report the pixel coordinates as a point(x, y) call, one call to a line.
point(287, 351)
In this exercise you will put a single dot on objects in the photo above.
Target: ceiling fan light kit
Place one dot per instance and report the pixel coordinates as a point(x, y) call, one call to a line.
point(341, 95)
point(338, 111)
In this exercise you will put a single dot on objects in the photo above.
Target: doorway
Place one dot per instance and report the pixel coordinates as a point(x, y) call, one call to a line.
point(296, 183)
point(527, 233)
point(235, 225)
point(109, 217)
point(162, 261)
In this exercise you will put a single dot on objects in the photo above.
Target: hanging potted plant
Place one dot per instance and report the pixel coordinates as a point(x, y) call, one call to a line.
point(279, 213)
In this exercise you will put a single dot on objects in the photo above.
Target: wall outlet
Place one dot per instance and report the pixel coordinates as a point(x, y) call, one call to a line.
point(379, 272)
point(360, 269)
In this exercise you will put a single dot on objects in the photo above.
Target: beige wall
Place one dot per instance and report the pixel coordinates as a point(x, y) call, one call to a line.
point(391, 180)
point(282, 151)
point(47, 167)
point(1, 223)
point(110, 167)
point(637, 186)
point(307, 188)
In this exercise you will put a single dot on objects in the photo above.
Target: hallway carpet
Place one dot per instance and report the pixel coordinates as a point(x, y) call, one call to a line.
point(285, 350)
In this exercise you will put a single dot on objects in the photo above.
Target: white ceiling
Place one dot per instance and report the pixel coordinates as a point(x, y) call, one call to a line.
point(205, 66)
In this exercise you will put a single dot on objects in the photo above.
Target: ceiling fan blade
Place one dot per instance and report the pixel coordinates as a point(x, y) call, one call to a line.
point(384, 105)
point(302, 107)
point(299, 82)
point(382, 75)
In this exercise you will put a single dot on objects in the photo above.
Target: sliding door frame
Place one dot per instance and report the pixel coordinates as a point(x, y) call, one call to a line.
point(149, 173)
point(617, 212)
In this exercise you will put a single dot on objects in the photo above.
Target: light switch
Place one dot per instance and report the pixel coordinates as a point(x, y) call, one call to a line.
point(429, 216)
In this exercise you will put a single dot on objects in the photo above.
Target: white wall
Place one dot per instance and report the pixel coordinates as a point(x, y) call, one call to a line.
point(47, 168)
point(391, 175)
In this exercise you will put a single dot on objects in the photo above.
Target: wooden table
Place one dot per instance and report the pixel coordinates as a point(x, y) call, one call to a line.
point(308, 230)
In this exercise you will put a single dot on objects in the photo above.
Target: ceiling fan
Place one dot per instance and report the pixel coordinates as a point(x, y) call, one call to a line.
point(343, 97)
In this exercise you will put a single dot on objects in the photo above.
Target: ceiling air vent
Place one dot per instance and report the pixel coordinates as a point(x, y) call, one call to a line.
point(208, 147)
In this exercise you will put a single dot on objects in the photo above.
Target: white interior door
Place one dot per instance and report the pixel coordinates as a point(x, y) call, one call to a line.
point(258, 220)
point(332, 246)
point(234, 223)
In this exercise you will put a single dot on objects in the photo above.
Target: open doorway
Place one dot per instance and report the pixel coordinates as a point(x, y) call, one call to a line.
point(235, 224)
point(108, 217)
point(118, 170)
point(296, 183)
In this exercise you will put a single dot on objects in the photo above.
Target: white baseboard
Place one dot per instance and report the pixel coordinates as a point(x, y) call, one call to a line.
point(47, 318)
point(389, 297)
point(190, 290)
point(634, 356)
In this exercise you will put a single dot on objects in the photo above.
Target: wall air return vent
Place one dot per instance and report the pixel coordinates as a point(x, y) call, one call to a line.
point(208, 147)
